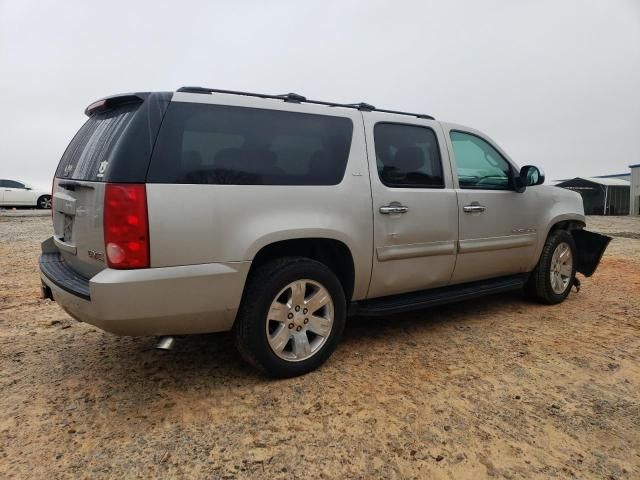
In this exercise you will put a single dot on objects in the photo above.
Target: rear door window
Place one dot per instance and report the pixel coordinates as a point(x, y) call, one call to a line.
point(408, 156)
point(88, 155)
point(215, 144)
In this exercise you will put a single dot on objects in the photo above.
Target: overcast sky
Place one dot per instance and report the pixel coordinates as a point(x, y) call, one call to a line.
point(555, 82)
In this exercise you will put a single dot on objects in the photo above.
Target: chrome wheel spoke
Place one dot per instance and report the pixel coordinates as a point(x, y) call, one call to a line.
point(280, 338)
point(319, 325)
point(301, 346)
point(297, 293)
point(566, 269)
point(278, 312)
point(319, 299)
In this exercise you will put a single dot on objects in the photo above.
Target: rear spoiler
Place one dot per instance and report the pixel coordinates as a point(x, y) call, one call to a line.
point(112, 102)
point(589, 249)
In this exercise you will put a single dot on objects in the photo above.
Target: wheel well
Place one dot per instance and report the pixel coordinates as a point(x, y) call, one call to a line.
point(567, 225)
point(333, 253)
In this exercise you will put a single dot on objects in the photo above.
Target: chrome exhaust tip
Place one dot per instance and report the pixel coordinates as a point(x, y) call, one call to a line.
point(165, 343)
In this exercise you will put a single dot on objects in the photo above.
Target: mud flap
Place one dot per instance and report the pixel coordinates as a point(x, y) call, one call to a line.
point(589, 249)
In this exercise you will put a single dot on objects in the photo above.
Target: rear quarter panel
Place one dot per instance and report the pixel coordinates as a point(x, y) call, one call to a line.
point(196, 224)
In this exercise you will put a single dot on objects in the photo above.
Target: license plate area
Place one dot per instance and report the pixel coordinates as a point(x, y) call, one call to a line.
point(67, 228)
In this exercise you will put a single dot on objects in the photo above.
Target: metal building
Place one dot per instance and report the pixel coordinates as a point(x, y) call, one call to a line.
point(601, 196)
point(621, 176)
point(635, 189)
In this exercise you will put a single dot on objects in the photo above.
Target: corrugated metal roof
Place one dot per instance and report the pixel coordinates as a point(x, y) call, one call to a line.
point(609, 182)
point(628, 174)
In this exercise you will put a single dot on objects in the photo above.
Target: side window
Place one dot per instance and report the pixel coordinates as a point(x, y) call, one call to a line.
point(215, 144)
point(478, 164)
point(12, 184)
point(408, 156)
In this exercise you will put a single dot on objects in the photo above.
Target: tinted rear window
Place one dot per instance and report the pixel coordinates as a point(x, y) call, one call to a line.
point(408, 156)
point(88, 155)
point(214, 144)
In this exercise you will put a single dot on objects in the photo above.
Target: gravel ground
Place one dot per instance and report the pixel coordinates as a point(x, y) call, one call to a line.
point(497, 387)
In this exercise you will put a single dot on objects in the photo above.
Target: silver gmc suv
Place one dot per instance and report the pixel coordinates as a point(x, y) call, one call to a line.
point(277, 217)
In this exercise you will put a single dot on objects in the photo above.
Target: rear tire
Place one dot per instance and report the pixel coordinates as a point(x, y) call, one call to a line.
point(278, 329)
point(553, 277)
point(44, 202)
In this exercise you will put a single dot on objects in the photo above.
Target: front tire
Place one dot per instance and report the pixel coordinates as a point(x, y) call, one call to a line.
point(291, 317)
point(553, 277)
point(44, 202)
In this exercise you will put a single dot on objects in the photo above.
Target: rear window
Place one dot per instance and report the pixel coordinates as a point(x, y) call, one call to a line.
point(408, 156)
point(88, 155)
point(214, 144)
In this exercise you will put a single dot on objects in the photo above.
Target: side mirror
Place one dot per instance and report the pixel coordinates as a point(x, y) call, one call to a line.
point(531, 175)
point(519, 184)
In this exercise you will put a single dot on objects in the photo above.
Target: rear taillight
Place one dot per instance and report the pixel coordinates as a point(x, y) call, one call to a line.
point(126, 230)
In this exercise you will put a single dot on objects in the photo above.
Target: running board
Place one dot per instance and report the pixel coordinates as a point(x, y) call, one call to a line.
point(437, 296)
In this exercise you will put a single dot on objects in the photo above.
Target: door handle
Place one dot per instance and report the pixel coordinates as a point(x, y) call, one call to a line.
point(393, 208)
point(474, 208)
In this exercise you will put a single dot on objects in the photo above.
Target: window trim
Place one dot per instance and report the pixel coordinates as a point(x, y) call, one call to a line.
point(413, 187)
point(512, 168)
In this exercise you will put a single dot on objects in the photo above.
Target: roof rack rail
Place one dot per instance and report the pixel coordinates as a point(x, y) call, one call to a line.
point(296, 98)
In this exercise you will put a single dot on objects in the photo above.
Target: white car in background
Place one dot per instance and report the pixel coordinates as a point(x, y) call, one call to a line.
point(19, 194)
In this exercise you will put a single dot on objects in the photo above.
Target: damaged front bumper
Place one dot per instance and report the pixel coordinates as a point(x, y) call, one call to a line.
point(590, 247)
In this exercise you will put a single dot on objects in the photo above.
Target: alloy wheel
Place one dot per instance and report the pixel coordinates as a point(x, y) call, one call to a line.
point(561, 268)
point(299, 320)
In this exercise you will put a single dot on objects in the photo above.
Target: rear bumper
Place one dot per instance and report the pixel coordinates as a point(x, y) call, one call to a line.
point(155, 301)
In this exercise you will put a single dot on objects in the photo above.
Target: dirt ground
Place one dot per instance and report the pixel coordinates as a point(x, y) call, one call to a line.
point(492, 388)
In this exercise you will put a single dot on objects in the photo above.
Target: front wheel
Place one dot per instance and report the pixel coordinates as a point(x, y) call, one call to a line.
point(44, 202)
point(553, 277)
point(291, 317)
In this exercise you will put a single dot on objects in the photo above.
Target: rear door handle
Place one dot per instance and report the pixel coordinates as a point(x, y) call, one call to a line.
point(393, 208)
point(474, 208)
